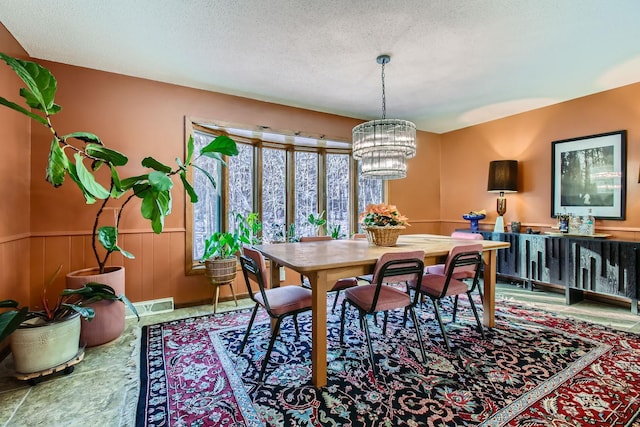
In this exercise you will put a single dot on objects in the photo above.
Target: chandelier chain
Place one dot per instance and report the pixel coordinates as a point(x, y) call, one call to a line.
point(384, 99)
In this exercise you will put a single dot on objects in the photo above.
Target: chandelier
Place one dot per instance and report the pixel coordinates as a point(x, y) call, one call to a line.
point(383, 146)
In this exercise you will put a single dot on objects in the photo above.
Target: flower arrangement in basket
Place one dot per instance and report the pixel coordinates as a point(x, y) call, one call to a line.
point(383, 224)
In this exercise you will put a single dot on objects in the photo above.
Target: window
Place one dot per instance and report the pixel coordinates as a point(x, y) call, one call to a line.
point(284, 178)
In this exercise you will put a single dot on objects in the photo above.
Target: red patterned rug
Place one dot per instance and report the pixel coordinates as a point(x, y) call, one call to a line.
point(533, 369)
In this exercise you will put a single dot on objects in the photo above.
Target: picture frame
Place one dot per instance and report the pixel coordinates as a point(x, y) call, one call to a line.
point(588, 175)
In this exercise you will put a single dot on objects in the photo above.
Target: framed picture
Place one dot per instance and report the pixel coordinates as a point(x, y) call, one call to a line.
point(589, 174)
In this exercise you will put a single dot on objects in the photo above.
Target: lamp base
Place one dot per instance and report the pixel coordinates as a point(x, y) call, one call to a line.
point(499, 227)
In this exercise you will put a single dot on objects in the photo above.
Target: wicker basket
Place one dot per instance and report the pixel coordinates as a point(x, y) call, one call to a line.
point(383, 236)
point(221, 270)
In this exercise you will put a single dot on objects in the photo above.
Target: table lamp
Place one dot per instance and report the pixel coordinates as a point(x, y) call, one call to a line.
point(503, 178)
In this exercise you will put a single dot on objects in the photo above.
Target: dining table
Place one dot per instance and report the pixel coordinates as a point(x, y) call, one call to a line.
point(324, 262)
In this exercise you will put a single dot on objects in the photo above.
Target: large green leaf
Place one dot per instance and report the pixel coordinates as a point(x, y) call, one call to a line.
point(57, 165)
point(163, 199)
point(41, 85)
point(207, 174)
point(86, 137)
point(222, 144)
point(108, 237)
point(193, 196)
point(159, 181)
point(10, 320)
point(190, 147)
point(88, 180)
point(109, 156)
point(23, 110)
point(150, 162)
point(127, 183)
point(89, 199)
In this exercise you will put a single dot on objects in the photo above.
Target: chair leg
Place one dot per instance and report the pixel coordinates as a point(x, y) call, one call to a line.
point(417, 327)
point(439, 318)
point(481, 294)
point(475, 313)
point(246, 335)
point(384, 323)
point(295, 323)
point(344, 309)
point(365, 326)
point(335, 301)
point(274, 335)
point(455, 309)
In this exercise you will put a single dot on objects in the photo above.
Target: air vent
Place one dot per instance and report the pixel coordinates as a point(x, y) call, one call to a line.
point(147, 308)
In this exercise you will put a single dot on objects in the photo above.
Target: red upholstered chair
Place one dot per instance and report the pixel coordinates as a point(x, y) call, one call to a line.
point(278, 302)
point(372, 298)
point(439, 268)
point(340, 285)
point(465, 259)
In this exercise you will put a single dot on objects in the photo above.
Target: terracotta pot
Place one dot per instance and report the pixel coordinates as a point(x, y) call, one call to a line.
point(109, 322)
point(44, 345)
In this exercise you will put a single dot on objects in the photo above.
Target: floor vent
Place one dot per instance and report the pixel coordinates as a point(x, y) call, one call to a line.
point(147, 308)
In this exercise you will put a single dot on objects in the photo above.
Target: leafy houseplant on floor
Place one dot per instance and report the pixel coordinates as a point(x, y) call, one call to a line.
point(221, 249)
point(44, 339)
point(79, 156)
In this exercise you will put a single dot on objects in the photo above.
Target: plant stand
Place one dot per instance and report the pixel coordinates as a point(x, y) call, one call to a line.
point(67, 367)
point(216, 293)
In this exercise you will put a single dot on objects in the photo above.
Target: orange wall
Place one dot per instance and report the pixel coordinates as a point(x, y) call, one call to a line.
point(42, 227)
point(527, 137)
point(14, 186)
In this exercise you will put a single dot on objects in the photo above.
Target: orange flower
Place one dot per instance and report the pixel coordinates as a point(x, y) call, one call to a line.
point(382, 215)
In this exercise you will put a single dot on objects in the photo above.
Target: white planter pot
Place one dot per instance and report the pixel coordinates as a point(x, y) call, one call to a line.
point(45, 345)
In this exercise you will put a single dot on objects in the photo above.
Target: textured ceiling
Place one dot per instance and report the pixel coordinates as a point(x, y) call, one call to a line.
point(454, 63)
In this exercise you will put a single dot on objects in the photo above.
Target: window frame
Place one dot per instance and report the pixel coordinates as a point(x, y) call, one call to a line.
point(193, 266)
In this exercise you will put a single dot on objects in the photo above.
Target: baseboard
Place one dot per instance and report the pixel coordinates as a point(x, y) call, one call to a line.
point(148, 308)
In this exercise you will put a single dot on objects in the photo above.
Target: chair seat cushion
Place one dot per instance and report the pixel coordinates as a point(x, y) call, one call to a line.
point(388, 299)
point(433, 284)
point(286, 299)
point(439, 269)
point(345, 284)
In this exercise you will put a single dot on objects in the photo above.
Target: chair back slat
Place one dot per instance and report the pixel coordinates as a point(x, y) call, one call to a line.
point(463, 235)
point(399, 270)
point(392, 256)
point(459, 268)
point(254, 268)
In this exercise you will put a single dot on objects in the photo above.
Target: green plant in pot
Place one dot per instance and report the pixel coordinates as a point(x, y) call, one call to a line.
point(83, 158)
point(221, 248)
point(49, 337)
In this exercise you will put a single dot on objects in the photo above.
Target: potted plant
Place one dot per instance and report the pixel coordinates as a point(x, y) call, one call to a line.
point(94, 168)
point(221, 248)
point(47, 338)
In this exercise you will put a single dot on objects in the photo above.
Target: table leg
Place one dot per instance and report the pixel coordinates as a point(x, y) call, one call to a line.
point(489, 302)
point(319, 328)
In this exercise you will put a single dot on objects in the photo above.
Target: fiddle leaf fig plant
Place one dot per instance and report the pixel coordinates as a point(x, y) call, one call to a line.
point(81, 155)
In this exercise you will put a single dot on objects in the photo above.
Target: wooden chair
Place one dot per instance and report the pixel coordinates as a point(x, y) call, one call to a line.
point(465, 258)
point(340, 285)
point(373, 298)
point(279, 302)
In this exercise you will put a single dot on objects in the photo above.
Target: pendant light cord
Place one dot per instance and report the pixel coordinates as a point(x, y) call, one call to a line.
point(384, 100)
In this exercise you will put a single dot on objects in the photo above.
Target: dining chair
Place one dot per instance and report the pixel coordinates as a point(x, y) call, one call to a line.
point(465, 259)
point(279, 303)
point(340, 285)
point(439, 268)
point(379, 296)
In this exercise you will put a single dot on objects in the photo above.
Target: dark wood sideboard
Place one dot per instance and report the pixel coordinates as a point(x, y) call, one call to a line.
point(601, 266)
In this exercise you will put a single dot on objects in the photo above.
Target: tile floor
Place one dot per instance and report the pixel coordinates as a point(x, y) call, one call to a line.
point(102, 391)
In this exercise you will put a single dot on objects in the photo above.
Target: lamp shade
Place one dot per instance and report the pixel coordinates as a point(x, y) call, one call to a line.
point(503, 176)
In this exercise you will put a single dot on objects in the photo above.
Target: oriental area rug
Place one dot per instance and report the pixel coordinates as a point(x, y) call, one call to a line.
point(533, 369)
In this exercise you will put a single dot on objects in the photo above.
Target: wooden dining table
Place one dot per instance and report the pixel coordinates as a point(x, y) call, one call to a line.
point(324, 262)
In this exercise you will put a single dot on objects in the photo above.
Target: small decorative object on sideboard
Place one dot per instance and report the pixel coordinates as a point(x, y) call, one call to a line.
point(473, 217)
point(383, 224)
